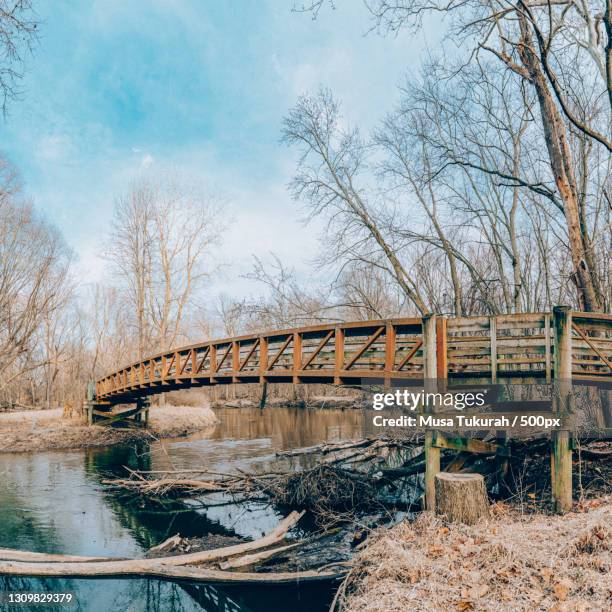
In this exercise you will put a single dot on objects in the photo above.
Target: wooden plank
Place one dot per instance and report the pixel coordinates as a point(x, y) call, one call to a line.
point(106, 420)
point(318, 349)
point(592, 345)
point(249, 355)
point(493, 347)
point(520, 320)
point(390, 344)
point(408, 357)
point(224, 357)
point(280, 352)
point(200, 366)
point(364, 348)
point(591, 316)
point(519, 360)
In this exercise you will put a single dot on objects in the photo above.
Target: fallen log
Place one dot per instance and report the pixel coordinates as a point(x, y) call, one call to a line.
point(326, 448)
point(127, 567)
point(254, 558)
point(264, 555)
point(9, 554)
point(143, 569)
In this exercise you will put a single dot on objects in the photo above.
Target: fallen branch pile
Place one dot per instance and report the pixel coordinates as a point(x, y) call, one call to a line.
point(354, 476)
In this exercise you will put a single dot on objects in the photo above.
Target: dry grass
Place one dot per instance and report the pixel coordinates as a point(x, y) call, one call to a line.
point(512, 563)
point(38, 430)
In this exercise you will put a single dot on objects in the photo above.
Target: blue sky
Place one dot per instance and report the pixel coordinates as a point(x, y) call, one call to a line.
point(198, 87)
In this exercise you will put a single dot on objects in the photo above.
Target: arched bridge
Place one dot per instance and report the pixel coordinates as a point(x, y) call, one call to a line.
point(536, 347)
point(505, 348)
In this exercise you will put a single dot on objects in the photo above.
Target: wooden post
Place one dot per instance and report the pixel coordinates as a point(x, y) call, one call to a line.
point(339, 355)
point(91, 397)
point(213, 363)
point(263, 359)
point(493, 345)
point(235, 356)
point(432, 454)
point(145, 413)
point(561, 459)
point(547, 348)
point(297, 356)
point(235, 362)
point(164, 365)
point(441, 354)
point(389, 352)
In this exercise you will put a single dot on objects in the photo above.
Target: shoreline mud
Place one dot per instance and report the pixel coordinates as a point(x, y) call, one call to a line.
point(47, 430)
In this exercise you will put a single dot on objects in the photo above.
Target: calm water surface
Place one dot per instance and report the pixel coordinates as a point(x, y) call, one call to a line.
point(54, 502)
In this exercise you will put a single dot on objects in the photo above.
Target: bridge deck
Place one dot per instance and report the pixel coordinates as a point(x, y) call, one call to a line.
point(505, 348)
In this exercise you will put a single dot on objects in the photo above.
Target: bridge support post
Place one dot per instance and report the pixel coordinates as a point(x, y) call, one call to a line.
point(432, 454)
point(142, 416)
point(89, 403)
point(561, 451)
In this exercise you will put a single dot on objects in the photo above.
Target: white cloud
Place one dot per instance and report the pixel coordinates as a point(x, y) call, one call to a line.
point(146, 161)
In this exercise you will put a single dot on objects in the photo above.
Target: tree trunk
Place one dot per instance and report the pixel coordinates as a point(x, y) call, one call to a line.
point(561, 164)
point(461, 497)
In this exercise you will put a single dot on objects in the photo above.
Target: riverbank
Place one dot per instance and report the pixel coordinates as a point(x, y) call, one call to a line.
point(514, 562)
point(39, 430)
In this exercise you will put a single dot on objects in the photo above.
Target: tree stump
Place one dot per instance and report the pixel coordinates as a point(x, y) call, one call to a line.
point(461, 497)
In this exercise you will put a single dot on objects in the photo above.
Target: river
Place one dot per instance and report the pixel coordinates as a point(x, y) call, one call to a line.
point(54, 502)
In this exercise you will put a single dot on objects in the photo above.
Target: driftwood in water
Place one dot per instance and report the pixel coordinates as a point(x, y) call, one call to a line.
point(128, 567)
point(462, 498)
point(142, 568)
point(9, 554)
point(170, 544)
point(258, 557)
point(178, 567)
point(327, 448)
point(160, 486)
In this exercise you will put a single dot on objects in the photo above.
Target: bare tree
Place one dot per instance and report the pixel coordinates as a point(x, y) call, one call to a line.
point(538, 42)
point(331, 174)
point(131, 253)
point(34, 287)
point(160, 248)
point(18, 29)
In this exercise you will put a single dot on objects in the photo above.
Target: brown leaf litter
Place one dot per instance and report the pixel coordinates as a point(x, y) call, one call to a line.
point(512, 563)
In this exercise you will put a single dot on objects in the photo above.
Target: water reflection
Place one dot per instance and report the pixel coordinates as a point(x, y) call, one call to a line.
point(55, 502)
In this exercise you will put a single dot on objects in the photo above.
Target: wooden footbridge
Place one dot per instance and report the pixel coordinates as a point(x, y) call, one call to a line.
point(562, 346)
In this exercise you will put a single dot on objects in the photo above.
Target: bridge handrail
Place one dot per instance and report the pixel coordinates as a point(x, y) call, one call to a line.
point(515, 345)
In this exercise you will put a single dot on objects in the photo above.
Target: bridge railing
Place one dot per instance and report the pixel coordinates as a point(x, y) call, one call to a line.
point(483, 349)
